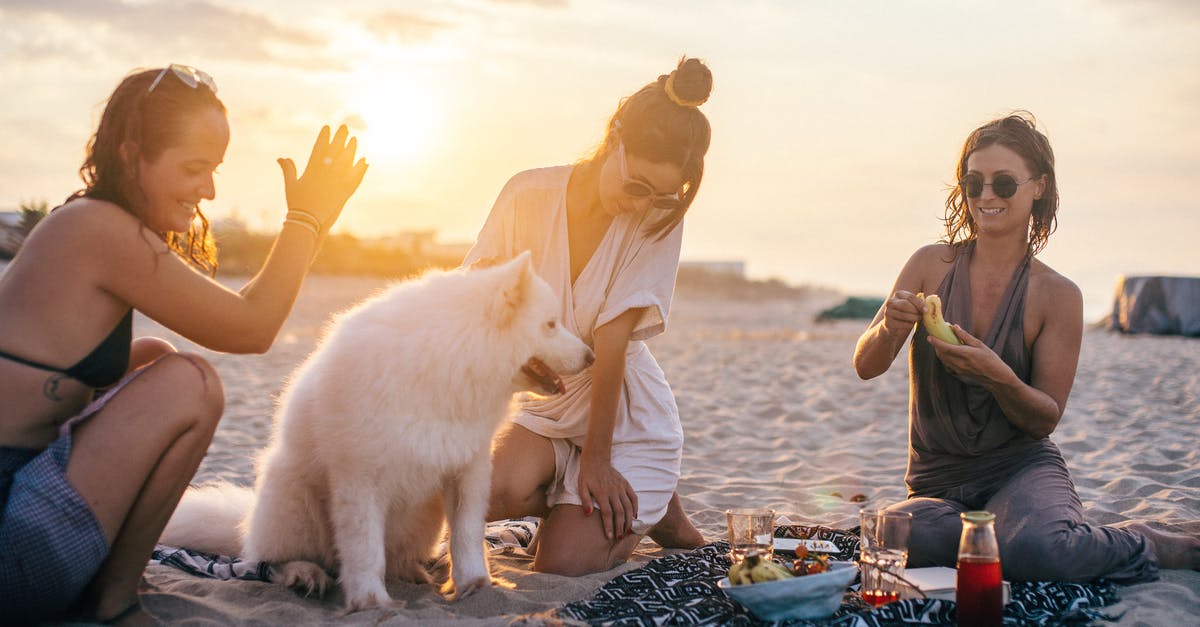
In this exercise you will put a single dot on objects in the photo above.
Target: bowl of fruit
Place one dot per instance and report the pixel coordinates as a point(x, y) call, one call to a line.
point(808, 587)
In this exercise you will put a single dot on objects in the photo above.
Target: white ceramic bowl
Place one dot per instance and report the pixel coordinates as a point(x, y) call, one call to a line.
point(809, 596)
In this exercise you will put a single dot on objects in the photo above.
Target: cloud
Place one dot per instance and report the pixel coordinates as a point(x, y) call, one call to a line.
point(1185, 8)
point(403, 27)
point(1157, 10)
point(414, 28)
point(196, 27)
point(546, 4)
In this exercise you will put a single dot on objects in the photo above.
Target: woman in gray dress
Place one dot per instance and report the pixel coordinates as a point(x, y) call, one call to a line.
point(981, 413)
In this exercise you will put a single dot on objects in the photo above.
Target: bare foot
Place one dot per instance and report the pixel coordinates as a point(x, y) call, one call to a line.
point(1174, 550)
point(675, 531)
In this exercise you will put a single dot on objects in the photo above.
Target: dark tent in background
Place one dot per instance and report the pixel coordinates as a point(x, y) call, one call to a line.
point(854, 308)
point(1163, 305)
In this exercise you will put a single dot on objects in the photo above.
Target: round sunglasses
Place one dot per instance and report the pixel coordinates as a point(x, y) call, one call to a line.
point(1003, 185)
point(636, 188)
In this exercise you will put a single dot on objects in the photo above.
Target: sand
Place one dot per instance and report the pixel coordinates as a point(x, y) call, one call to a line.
point(774, 416)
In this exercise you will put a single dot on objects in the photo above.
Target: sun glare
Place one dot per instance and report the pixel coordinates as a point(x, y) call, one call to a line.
point(399, 120)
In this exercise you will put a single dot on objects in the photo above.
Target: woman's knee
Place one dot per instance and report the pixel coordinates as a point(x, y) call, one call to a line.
point(576, 556)
point(557, 563)
point(196, 386)
point(935, 531)
point(513, 499)
point(1038, 555)
point(147, 349)
point(555, 559)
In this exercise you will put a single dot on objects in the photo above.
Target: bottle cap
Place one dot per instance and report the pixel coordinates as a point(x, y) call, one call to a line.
point(979, 516)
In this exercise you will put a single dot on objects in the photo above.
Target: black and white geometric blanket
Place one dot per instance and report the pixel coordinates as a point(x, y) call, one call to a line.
point(210, 566)
point(681, 589)
point(510, 537)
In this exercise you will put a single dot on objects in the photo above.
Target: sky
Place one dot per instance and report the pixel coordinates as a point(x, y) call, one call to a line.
point(836, 125)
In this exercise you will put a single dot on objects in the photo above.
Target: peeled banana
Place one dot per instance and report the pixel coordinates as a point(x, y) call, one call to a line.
point(738, 573)
point(935, 324)
point(756, 569)
point(769, 570)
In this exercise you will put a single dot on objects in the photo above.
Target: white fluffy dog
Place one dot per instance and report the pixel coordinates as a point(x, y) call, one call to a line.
point(385, 432)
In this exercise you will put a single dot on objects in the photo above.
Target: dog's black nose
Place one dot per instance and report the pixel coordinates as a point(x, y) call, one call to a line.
point(591, 357)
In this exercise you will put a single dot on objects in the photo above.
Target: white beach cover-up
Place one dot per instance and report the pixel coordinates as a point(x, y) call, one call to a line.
point(628, 270)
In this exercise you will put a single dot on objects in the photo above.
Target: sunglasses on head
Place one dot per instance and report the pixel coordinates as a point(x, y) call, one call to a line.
point(635, 188)
point(1003, 185)
point(189, 75)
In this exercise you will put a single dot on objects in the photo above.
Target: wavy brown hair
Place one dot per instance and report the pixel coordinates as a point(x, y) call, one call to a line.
point(1017, 132)
point(658, 128)
point(151, 121)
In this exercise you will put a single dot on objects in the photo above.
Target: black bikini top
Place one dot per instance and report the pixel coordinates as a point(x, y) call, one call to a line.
point(104, 366)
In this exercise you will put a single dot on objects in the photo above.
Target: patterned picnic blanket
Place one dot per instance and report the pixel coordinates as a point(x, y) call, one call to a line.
point(681, 589)
point(503, 537)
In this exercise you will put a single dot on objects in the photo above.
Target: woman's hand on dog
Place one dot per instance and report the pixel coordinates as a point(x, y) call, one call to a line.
point(601, 484)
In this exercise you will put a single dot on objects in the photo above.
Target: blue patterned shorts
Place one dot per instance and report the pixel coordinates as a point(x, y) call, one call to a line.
point(51, 544)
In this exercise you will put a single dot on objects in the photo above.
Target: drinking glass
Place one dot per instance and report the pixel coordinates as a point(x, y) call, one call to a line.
point(884, 543)
point(750, 530)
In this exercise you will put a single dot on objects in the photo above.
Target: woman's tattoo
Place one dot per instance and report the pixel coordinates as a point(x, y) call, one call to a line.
point(50, 387)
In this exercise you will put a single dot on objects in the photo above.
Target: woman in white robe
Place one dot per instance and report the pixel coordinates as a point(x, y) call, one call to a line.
point(605, 233)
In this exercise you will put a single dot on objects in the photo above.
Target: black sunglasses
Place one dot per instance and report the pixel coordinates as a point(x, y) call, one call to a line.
point(1003, 185)
point(635, 188)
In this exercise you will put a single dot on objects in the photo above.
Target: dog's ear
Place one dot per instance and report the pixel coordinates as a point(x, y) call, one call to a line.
point(516, 278)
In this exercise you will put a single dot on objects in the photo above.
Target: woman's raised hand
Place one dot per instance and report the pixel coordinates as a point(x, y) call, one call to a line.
point(329, 179)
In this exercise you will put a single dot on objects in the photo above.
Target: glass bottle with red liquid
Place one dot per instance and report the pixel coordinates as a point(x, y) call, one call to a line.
point(980, 592)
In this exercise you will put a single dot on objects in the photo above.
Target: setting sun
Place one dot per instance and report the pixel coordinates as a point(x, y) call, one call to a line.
point(397, 118)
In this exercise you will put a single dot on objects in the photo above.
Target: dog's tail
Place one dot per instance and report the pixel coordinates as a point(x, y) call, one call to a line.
point(209, 519)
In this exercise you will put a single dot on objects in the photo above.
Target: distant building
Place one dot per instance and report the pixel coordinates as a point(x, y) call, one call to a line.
point(424, 245)
point(11, 235)
point(229, 224)
point(450, 250)
point(736, 268)
point(414, 243)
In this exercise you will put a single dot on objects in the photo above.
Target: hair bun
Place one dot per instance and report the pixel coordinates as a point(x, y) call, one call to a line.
point(689, 84)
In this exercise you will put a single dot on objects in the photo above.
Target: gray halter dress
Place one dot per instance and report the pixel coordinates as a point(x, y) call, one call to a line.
point(964, 454)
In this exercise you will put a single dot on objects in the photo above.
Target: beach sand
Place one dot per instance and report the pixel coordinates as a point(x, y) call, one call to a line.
point(773, 416)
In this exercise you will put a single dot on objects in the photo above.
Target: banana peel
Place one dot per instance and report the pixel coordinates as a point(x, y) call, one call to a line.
point(935, 324)
point(757, 569)
point(738, 573)
point(769, 570)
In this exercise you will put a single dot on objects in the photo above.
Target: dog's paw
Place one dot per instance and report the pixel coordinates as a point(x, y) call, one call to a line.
point(413, 572)
point(302, 576)
point(455, 591)
point(370, 602)
point(364, 592)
